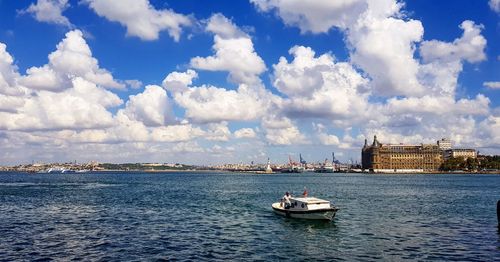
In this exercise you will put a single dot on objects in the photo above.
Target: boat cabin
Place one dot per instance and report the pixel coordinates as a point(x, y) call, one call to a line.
point(308, 203)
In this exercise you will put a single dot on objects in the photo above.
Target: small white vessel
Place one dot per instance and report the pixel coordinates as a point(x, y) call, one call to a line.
point(306, 208)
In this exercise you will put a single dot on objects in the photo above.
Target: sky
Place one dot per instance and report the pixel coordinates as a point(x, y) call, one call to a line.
point(210, 82)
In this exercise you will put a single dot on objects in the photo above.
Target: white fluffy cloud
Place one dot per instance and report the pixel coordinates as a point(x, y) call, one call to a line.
point(179, 81)
point(83, 106)
point(282, 131)
point(210, 104)
point(150, 107)
point(495, 5)
point(489, 131)
point(443, 61)
point(314, 16)
point(382, 43)
point(176, 133)
point(319, 87)
point(8, 74)
point(492, 85)
point(469, 47)
point(140, 18)
point(325, 138)
point(245, 133)
point(133, 83)
point(213, 104)
point(49, 11)
point(441, 105)
point(234, 53)
point(73, 58)
point(384, 47)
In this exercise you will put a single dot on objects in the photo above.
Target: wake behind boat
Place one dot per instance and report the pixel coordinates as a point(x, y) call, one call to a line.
point(306, 208)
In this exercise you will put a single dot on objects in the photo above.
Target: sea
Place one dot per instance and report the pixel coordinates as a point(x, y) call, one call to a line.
point(209, 216)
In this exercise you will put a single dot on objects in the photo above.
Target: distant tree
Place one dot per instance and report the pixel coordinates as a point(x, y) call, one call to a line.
point(453, 163)
point(471, 164)
point(489, 162)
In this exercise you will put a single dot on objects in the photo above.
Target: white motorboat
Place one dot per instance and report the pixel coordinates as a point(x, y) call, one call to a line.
point(306, 208)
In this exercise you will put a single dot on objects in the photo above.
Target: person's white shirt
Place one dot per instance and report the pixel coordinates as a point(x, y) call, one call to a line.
point(286, 198)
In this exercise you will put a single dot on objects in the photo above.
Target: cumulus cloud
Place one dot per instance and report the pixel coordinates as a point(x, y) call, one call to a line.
point(489, 132)
point(495, 5)
point(218, 132)
point(383, 48)
point(380, 43)
point(245, 133)
point(314, 16)
point(10, 103)
point(133, 83)
point(319, 87)
point(150, 107)
point(469, 47)
point(49, 11)
point(206, 103)
point(213, 104)
point(179, 81)
point(8, 74)
point(140, 18)
point(492, 85)
point(234, 52)
point(73, 58)
point(441, 105)
point(444, 61)
point(176, 133)
point(281, 130)
point(323, 137)
point(83, 106)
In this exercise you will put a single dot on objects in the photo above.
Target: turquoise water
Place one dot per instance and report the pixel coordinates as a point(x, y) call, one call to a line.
point(195, 216)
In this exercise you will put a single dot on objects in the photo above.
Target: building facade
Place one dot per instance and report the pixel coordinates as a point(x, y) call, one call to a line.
point(380, 157)
point(460, 152)
point(444, 144)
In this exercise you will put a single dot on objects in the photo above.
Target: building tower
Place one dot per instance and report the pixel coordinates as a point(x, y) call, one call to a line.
point(268, 167)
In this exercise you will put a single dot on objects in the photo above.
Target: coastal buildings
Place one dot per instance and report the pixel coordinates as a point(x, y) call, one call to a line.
point(394, 158)
point(379, 157)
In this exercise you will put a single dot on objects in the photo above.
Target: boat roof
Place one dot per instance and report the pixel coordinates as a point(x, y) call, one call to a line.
point(310, 200)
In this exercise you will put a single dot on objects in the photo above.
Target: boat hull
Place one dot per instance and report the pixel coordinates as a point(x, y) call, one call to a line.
point(318, 214)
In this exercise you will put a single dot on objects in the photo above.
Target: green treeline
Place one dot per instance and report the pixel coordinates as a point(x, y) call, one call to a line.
point(470, 164)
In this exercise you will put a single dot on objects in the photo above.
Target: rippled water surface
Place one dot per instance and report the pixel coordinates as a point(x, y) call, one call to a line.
point(209, 216)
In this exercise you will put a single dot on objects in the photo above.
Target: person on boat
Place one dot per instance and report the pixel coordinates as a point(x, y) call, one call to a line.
point(305, 192)
point(286, 200)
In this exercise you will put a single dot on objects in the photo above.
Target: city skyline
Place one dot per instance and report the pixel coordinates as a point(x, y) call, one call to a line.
point(176, 81)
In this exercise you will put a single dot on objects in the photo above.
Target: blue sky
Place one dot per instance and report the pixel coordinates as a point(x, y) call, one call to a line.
point(212, 82)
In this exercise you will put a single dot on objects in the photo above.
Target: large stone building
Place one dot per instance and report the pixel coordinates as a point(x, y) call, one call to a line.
point(379, 157)
point(460, 152)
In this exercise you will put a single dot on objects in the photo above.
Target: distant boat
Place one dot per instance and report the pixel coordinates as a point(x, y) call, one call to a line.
point(325, 169)
point(293, 169)
point(306, 208)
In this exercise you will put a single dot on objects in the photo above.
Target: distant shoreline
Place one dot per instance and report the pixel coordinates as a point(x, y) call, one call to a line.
point(259, 172)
